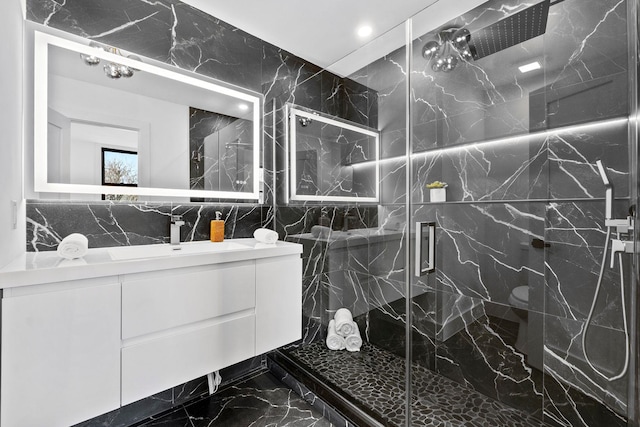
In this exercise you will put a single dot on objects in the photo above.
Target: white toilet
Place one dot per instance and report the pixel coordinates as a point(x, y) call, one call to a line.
point(519, 301)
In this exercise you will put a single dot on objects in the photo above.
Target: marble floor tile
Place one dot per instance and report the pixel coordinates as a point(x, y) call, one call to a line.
point(258, 401)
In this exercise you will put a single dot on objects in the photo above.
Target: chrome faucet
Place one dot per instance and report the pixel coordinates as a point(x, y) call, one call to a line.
point(176, 223)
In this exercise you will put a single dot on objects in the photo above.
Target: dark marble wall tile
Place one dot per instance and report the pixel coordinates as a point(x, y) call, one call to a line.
point(572, 156)
point(480, 352)
point(104, 224)
point(115, 224)
point(565, 361)
point(214, 48)
point(143, 27)
point(576, 233)
point(503, 170)
point(484, 250)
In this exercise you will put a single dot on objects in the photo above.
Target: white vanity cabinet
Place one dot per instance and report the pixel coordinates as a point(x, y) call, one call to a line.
point(278, 302)
point(60, 353)
point(75, 349)
point(180, 324)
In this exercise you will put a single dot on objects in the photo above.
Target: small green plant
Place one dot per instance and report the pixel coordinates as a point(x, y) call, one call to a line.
point(437, 184)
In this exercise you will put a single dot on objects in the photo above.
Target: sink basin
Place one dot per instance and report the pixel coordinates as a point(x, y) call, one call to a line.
point(166, 250)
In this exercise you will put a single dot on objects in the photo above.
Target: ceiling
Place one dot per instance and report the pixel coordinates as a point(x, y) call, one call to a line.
point(324, 32)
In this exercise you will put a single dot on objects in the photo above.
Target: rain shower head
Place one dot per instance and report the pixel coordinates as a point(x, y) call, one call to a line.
point(510, 31)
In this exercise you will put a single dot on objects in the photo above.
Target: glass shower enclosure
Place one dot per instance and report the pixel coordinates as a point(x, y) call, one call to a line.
point(493, 279)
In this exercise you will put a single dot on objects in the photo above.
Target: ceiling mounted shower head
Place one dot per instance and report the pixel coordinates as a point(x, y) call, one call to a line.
point(510, 31)
point(450, 48)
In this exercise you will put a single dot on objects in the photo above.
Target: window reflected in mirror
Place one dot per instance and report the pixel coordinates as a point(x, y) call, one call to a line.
point(119, 168)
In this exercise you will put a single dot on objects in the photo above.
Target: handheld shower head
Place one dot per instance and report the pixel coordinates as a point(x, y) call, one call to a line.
point(603, 174)
point(608, 192)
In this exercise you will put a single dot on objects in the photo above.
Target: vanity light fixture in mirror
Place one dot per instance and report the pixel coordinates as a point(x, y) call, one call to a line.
point(331, 159)
point(193, 137)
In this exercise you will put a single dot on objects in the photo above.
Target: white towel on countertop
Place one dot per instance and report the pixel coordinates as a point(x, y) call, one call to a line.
point(264, 235)
point(334, 341)
point(353, 342)
point(73, 246)
point(344, 322)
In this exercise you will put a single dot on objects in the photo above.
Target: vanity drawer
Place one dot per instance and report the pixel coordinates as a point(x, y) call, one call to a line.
point(153, 302)
point(161, 363)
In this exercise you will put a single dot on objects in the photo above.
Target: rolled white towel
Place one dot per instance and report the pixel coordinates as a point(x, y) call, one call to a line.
point(353, 342)
point(73, 246)
point(264, 235)
point(320, 231)
point(344, 322)
point(334, 341)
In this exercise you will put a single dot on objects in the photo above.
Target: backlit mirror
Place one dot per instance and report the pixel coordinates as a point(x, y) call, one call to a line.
point(112, 125)
point(331, 159)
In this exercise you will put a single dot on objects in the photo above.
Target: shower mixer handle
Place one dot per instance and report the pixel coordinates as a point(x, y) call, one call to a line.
point(620, 246)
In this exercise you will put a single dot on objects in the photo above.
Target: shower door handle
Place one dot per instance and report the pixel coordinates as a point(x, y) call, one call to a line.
point(425, 248)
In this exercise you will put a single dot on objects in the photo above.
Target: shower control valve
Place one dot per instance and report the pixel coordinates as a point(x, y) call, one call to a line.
point(620, 246)
point(622, 226)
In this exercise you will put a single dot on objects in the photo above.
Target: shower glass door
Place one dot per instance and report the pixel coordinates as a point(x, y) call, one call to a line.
point(525, 318)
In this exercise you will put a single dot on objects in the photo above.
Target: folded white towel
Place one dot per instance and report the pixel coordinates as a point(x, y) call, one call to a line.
point(73, 246)
point(334, 341)
point(264, 235)
point(320, 231)
point(344, 322)
point(354, 341)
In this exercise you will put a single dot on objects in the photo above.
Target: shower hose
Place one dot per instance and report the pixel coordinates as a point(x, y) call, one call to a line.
point(624, 313)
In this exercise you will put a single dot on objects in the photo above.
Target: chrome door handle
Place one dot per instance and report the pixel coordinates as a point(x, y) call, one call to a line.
point(425, 239)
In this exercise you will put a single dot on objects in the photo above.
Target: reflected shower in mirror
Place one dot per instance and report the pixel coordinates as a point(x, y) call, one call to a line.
point(331, 159)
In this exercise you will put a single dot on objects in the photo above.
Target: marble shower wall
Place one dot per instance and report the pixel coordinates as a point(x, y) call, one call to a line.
point(518, 152)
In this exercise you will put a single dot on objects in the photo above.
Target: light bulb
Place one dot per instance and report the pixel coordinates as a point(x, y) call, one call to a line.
point(125, 71)
point(112, 71)
point(429, 50)
point(90, 60)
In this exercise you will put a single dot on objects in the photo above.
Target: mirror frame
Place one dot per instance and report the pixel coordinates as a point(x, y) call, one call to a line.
point(42, 41)
point(294, 111)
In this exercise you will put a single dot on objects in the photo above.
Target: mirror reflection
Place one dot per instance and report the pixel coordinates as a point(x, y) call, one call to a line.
point(119, 127)
point(331, 159)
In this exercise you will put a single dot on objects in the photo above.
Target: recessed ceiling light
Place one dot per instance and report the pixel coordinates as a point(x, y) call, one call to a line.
point(529, 67)
point(243, 107)
point(365, 31)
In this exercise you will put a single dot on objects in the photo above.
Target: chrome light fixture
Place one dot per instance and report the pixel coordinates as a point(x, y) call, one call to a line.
point(451, 47)
point(112, 70)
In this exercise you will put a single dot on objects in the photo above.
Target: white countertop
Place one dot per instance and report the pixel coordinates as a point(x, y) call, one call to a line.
point(35, 268)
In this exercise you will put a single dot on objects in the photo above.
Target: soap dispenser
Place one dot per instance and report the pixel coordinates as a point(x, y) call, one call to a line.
point(217, 228)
